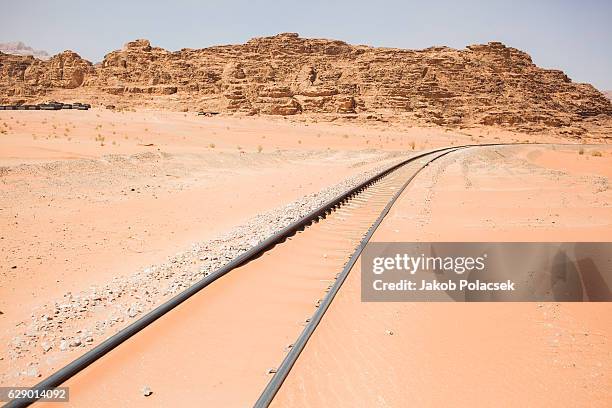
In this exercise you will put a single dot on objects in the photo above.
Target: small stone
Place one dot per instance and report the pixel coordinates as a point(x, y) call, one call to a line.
point(272, 371)
point(75, 343)
point(46, 346)
point(32, 372)
point(146, 391)
point(389, 332)
point(63, 345)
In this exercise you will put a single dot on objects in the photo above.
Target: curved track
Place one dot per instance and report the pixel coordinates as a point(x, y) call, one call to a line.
point(226, 341)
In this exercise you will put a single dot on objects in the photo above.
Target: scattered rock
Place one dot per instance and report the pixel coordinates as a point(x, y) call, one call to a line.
point(32, 371)
point(146, 391)
point(138, 293)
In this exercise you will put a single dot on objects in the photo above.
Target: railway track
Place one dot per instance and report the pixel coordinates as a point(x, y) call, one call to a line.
point(249, 326)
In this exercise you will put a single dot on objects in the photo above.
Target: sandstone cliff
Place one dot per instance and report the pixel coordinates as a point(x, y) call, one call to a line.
point(487, 84)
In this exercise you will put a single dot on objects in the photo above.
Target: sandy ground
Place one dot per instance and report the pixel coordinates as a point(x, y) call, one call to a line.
point(90, 196)
point(77, 211)
point(86, 197)
point(466, 354)
point(236, 328)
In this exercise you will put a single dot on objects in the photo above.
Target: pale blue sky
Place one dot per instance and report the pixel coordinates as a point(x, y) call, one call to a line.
point(575, 36)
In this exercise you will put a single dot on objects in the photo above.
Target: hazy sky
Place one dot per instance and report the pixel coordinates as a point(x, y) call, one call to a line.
point(575, 36)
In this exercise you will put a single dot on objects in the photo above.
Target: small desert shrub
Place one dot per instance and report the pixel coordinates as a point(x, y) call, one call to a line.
point(596, 153)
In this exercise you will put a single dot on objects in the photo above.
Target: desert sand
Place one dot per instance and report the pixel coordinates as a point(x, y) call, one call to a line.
point(466, 354)
point(241, 327)
point(106, 213)
point(92, 201)
point(78, 212)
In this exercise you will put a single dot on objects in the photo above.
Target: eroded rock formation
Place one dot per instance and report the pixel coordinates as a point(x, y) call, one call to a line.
point(487, 84)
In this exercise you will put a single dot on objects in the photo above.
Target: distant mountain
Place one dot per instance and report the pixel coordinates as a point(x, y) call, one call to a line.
point(19, 48)
point(485, 84)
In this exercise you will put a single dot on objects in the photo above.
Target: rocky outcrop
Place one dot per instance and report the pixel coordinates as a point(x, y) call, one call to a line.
point(23, 78)
point(489, 84)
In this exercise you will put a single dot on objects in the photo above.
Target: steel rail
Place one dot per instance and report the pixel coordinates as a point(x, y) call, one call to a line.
point(82, 362)
point(268, 394)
